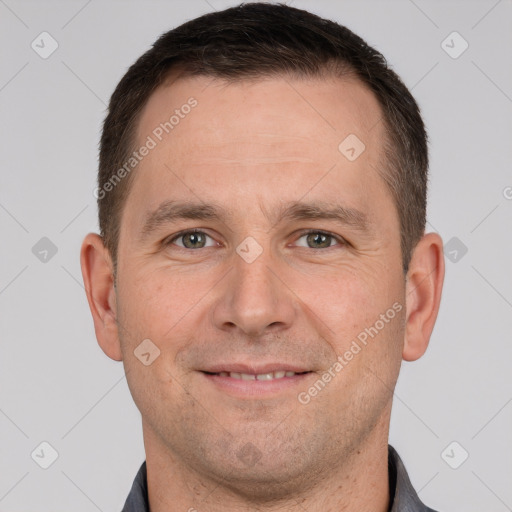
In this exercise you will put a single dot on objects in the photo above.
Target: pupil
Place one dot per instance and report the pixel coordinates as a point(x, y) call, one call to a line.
point(194, 239)
point(319, 239)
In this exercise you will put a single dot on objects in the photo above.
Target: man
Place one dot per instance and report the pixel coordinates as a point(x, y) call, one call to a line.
point(262, 267)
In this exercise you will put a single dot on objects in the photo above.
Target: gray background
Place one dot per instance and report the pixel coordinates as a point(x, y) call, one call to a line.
point(55, 383)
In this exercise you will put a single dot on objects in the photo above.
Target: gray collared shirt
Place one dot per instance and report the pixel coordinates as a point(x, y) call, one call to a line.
point(403, 496)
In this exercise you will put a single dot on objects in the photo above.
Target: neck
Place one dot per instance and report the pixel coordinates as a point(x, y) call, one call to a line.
point(359, 482)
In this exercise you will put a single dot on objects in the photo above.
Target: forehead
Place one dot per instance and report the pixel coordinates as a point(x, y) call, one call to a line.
point(322, 110)
point(251, 139)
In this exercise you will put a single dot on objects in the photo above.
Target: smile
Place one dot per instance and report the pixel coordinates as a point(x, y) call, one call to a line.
point(261, 385)
point(260, 376)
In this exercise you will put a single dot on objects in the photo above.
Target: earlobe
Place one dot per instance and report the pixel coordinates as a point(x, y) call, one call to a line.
point(99, 286)
point(423, 294)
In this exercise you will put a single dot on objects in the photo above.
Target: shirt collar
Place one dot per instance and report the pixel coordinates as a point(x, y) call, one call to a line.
point(402, 494)
point(137, 500)
point(403, 497)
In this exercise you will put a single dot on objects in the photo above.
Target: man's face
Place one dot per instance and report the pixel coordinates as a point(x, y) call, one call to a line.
point(252, 292)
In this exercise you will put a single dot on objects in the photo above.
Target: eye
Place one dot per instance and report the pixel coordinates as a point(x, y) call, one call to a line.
point(315, 239)
point(193, 239)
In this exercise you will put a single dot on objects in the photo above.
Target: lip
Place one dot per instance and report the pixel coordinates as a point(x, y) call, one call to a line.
point(255, 369)
point(247, 389)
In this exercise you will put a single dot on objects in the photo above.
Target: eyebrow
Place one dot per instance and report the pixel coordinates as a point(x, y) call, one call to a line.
point(171, 211)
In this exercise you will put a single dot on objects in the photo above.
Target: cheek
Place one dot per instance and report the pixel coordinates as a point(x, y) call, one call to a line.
point(365, 319)
point(349, 300)
point(160, 309)
point(148, 313)
point(154, 304)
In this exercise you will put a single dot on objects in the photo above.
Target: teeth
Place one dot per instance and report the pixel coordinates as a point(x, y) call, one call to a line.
point(265, 376)
point(262, 376)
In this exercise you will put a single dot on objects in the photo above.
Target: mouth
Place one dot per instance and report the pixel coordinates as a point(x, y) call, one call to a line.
point(257, 383)
point(279, 374)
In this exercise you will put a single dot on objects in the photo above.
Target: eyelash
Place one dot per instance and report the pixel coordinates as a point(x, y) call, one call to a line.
point(341, 241)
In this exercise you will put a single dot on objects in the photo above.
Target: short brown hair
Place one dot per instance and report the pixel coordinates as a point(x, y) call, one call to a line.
point(260, 40)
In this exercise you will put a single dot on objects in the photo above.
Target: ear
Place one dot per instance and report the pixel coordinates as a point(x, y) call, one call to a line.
point(424, 284)
point(97, 272)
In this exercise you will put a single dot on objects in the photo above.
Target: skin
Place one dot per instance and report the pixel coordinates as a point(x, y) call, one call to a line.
point(251, 147)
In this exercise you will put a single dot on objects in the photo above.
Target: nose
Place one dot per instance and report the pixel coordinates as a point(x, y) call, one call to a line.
point(254, 298)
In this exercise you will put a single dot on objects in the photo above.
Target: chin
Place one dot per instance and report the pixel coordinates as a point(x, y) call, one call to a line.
point(264, 485)
point(262, 478)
